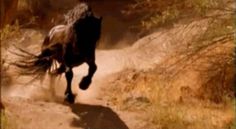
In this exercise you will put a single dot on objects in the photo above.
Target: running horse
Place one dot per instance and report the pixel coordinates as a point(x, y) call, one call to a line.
point(69, 46)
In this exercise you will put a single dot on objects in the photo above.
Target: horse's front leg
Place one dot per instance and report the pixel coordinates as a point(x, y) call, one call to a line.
point(84, 84)
point(69, 97)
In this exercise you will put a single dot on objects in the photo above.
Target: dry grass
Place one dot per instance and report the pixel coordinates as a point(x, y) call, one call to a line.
point(190, 114)
point(8, 120)
point(3, 119)
point(9, 31)
point(187, 100)
point(155, 100)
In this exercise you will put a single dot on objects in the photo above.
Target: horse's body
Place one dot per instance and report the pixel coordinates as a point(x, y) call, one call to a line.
point(58, 38)
point(70, 45)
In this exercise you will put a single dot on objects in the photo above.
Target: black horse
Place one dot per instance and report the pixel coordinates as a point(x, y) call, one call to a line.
point(68, 45)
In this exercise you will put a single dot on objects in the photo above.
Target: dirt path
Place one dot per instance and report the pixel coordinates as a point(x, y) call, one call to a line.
point(28, 114)
point(37, 106)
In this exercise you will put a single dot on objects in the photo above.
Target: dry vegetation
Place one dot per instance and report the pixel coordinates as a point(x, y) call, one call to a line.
point(158, 13)
point(200, 95)
point(192, 89)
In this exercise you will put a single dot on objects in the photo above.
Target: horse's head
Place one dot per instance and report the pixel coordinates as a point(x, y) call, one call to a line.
point(88, 28)
point(96, 26)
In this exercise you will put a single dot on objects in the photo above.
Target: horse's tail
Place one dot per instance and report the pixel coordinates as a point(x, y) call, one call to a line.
point(34, 65)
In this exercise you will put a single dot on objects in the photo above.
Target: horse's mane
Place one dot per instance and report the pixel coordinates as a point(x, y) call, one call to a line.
point(81, 10)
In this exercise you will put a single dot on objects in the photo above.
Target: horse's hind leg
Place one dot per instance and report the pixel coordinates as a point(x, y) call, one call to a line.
point(84, 84)
point(69, 97)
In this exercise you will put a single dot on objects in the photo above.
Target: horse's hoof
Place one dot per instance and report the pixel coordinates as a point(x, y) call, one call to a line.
point(84, 84)
point(70, 98)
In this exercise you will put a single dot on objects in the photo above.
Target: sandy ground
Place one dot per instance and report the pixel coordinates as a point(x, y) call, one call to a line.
point(40, 105)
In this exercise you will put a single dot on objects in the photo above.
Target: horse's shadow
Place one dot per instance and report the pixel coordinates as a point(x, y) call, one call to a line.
point(96, 117)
